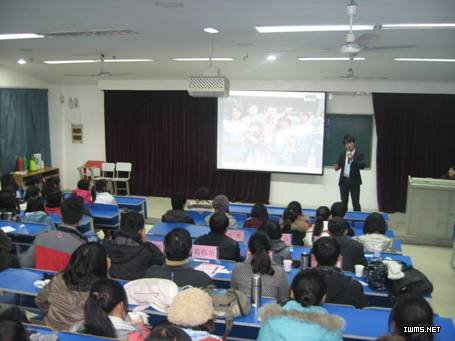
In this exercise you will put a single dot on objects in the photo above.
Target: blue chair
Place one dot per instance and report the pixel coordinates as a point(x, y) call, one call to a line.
point(199, 216)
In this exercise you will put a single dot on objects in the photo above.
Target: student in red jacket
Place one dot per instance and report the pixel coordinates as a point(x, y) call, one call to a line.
point(83, 190)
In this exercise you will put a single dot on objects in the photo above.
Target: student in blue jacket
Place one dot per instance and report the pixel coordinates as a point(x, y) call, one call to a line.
point(301, 318)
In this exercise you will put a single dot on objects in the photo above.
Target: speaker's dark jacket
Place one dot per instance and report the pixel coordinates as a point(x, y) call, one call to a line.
point(357, 164)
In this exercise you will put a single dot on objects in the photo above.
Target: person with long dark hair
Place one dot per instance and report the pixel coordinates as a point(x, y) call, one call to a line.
point(411, 310)
point(106, 312)
point(302, 317)
point(294, 222)
point(12, 329)
point(274, 279)
point(62, 300)
point(280, 251)
point(258, 216)
point(320, 228)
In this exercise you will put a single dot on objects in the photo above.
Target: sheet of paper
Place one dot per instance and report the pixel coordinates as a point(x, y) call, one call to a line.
point(7, 229)
point(210, 269)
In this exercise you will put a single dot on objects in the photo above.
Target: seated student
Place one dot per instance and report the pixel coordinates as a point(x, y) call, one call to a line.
point(32, 191)
point(83, 190)
point(374, 238)
point(49, 185)
point(192, 310)
point(62, 300)
point(8, 183)
point(302, 317)
point(221, 204)
point(177, 214)
point(320, 228)
point(130, 252)
point(228, 248)
point(106, 312)
point(201, 201)
point(351, 250)
point(167, 333)
point(258, 216)
point(339, 209)
point(12, 329)
point(280, 250)
point(51, 250)
point(7, 260)
point(274, 279)
point(410, 310)
point(340, 288)
point(102, 194)
point(34, 213)
point(294, 222)
point(450, 175)
point(9, 206)
point(53, 202)
point(177, 247)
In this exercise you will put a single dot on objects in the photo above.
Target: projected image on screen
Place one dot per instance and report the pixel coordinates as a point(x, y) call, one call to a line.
point(271, 131)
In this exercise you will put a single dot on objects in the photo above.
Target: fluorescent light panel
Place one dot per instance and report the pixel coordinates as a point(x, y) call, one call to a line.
point(312, 28)
point(127, 60)
point(11, 36)
point(417, 26)
point(82, 61)
point(305, 59)
point(217, 59)
point(211, 30)
point(425, 60)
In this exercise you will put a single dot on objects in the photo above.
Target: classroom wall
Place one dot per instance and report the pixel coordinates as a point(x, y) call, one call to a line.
point(311, 190)
point(68, 155)
point(13, 79)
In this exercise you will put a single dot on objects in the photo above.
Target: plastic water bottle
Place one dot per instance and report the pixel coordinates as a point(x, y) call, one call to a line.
point(256, 290)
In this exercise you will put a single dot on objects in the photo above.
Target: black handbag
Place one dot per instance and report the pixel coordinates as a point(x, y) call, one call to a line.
point(376, 273)
point(413, 282)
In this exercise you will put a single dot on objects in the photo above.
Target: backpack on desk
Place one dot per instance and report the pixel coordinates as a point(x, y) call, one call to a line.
point(413, 282)
point(376, 274)
point(228, 304)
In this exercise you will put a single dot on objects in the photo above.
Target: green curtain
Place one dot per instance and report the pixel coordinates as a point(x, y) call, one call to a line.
point(24, 126)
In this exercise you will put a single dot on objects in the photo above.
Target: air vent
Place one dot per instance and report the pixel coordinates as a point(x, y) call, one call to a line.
point(93, 33)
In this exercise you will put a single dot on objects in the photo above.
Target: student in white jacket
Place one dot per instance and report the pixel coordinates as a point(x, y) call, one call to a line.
point(102, 194)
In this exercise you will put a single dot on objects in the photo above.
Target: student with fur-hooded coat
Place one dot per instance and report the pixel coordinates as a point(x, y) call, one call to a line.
point(301, 318)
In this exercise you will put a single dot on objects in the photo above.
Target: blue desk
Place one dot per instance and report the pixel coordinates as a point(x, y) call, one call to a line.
point(162, 229)
point(24, 229)
point(85, 225)
point(138, 204)
point(63, 336)
point(356, 328)
point(105, 216)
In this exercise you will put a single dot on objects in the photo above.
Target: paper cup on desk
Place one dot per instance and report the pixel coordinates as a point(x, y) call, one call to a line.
point(359, 270)
point(287, 265)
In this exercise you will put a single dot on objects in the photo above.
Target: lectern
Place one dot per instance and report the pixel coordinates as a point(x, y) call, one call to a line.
point(430, 209)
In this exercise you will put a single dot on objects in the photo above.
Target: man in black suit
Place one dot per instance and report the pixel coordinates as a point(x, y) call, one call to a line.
point(350, 162)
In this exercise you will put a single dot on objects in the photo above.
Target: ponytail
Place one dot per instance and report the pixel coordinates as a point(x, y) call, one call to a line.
point(104, 296)
point(289, 216)
point(322, 214)
point(308, 288)
point(259, 246)
point(97, 321)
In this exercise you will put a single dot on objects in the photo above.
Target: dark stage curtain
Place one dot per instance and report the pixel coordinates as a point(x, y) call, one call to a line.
point(170, 138)
point(24, 126)
point(416, 136)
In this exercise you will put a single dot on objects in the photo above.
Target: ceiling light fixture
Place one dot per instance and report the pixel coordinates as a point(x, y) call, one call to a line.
point(417, 26)
point(312, 28)
point(11, 36)
point(21, 61)
point(425, 60)
point(83, 61)
point(205, 59)
point(211, 30)
point(305, 59)
point(171, 4)
point(115, 60)
point(271, 58)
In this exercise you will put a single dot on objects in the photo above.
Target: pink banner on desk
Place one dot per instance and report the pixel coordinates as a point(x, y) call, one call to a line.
point(159, 244)
point(204, 252)
point(237, 235)
point(287, 238)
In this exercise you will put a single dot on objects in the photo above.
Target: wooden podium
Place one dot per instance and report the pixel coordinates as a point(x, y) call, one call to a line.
point(430, 209)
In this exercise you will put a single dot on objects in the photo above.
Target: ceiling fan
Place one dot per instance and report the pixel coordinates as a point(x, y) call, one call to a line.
point(101, 73)
point(353, 45)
